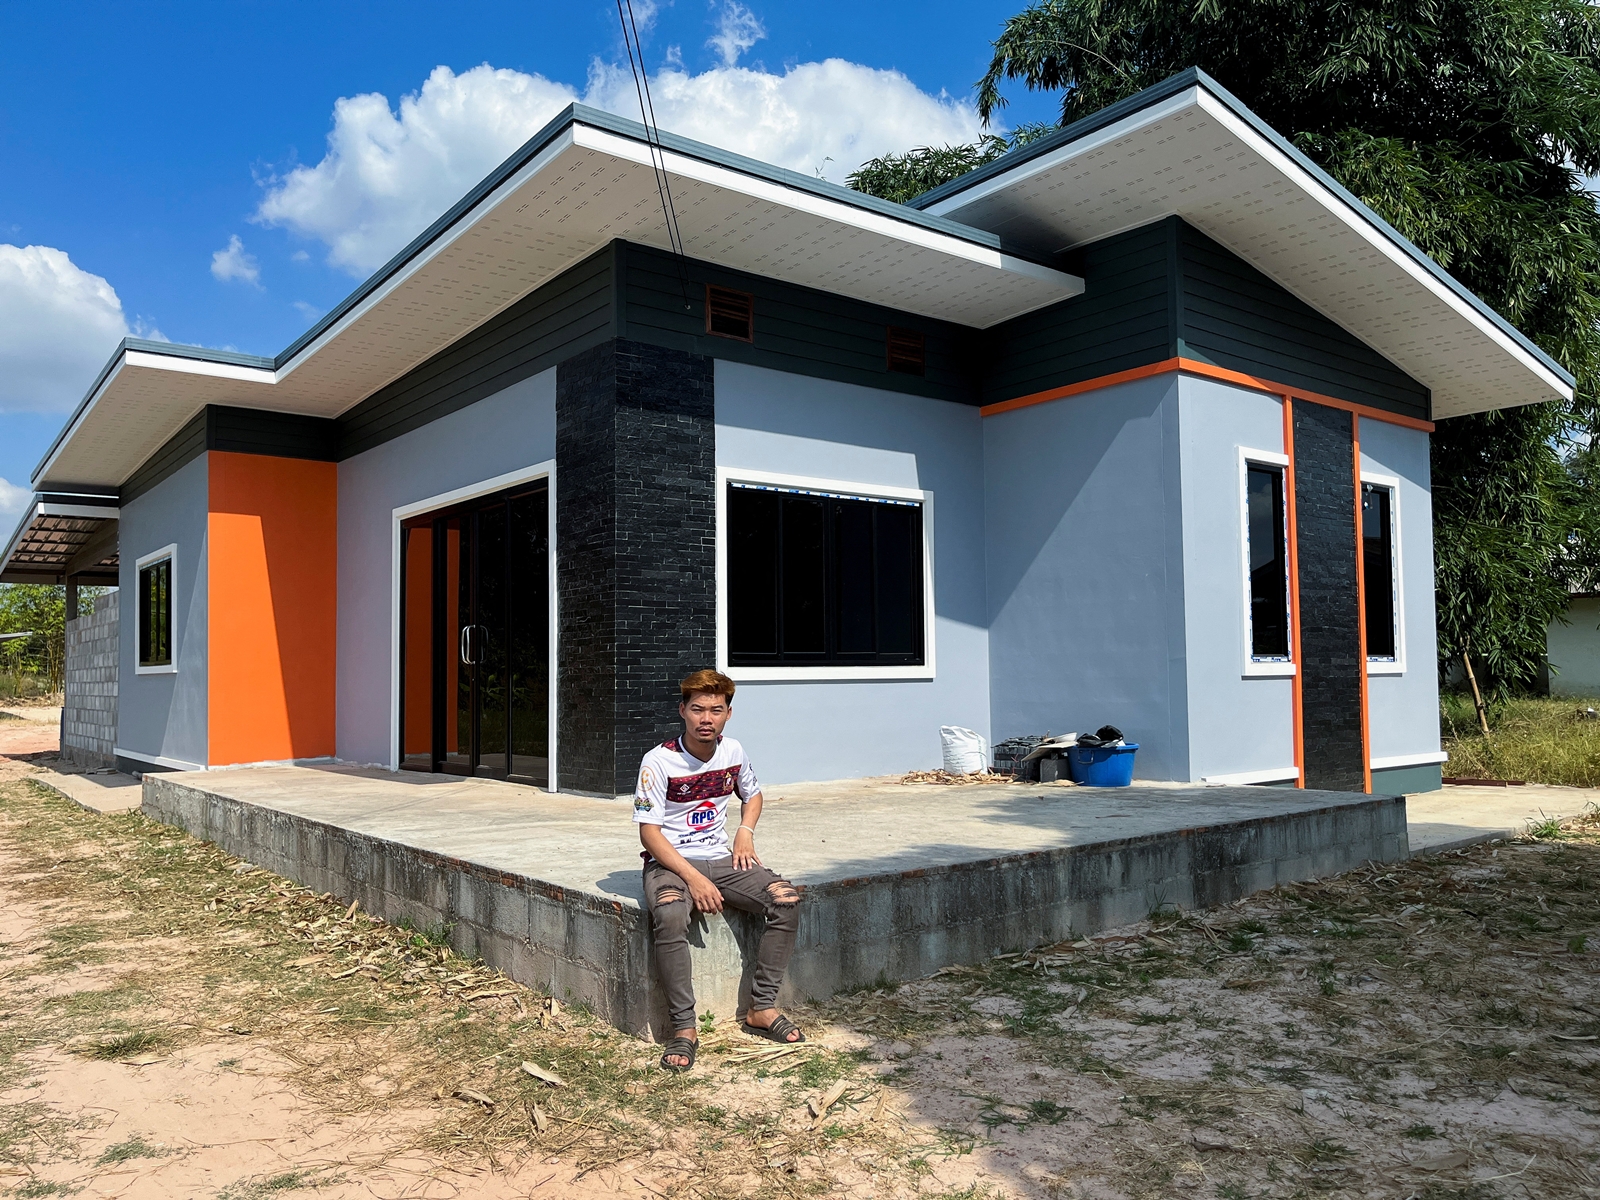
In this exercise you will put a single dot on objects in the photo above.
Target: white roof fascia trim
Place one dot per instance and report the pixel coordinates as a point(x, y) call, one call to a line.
point(44, 469)
point(83, 511)
point(1410, 760)
point(468, 222)
point(145, 360)
point(1374, 237)
point(605, 142)
point(1045, 162)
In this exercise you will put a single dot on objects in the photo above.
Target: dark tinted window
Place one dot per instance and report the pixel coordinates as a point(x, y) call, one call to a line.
point(155, 614)
point(1377, 569)
point(1269, 575)
point(816, 579)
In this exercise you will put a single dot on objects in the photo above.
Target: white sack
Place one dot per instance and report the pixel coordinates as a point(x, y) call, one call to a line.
point(965, 752)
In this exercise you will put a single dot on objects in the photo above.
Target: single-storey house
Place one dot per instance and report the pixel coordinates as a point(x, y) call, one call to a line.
point(1129, 427)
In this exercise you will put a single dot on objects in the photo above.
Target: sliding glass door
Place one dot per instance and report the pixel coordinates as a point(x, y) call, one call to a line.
point(475, 638)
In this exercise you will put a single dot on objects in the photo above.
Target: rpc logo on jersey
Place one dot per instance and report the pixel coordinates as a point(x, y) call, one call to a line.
point(704, 816)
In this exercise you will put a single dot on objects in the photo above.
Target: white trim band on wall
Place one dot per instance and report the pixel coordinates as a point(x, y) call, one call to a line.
point(175, 764)
point(1410, 760)
point(1272, 775)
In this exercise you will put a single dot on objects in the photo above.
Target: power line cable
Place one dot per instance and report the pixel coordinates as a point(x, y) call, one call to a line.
point(652, 137)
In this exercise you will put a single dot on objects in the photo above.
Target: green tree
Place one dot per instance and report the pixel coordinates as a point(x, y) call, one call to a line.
point(1469, 125)
point(39, 609)
point(902, 177)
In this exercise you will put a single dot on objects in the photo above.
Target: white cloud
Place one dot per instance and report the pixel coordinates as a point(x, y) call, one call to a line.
point(737, 30)
point(387, 175)
point(58, 326)
point(309, 311)
point(13, 500)
point(232, 262)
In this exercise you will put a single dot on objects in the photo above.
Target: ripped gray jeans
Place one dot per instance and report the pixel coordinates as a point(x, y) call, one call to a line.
point(754, 890)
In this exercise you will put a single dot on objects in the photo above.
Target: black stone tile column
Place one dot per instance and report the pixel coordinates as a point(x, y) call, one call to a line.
point(635, 552)
point(1330, 634)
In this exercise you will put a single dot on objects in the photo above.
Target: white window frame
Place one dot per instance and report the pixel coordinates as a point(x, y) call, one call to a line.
point(1253, 667)
point(155, 556)
point(866, 491)
point(1397, 664)
point(543, 470)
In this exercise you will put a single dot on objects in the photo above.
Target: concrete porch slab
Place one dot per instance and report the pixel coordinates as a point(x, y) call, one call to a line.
point(897, 880)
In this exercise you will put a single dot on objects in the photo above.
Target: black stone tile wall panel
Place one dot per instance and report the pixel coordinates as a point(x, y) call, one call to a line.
point(636, 551)
point(1330, 636)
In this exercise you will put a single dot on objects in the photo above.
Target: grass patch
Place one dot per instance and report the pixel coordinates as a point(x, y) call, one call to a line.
point(134, 1147)
point(142, 1041)
point(1540, 739)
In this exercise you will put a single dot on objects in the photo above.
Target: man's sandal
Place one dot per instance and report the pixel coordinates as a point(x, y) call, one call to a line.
point(778, 1031)
point(679, 1047)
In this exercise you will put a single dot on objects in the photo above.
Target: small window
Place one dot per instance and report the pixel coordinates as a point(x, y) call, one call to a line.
point(1269, 559)
point(155, 612)
point(908, 351)
point(730, 314)
point(1377, 569)
point(817, 579)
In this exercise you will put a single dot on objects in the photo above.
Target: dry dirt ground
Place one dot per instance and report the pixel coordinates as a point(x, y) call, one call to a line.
point(176, 1023)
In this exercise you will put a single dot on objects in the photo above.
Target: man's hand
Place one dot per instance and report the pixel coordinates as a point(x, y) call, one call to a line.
point(744, 850)
point(704, 893)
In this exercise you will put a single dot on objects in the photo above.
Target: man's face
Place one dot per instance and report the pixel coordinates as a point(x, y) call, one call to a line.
point(704, 714)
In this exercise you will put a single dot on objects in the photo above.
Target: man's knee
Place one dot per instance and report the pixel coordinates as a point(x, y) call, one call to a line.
point(669, 912)
point(783, 904)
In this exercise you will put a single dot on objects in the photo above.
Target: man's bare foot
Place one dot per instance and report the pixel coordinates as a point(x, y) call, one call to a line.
point(680, 1062)
point(766, 1018)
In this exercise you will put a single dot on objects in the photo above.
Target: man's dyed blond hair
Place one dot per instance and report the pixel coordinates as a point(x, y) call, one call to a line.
point(714, 682)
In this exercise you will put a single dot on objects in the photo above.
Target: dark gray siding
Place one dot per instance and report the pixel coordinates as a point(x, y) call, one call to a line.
point(1235, 317)
point(241, 431)
point(564, 317)
point(1122, 320)
point(181, 448)
point(799, 330)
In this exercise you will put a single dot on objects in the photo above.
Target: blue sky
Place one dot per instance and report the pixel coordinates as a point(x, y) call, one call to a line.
point(188, 171)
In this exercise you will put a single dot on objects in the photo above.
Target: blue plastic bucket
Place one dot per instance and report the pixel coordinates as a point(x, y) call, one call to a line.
point(1102, 766)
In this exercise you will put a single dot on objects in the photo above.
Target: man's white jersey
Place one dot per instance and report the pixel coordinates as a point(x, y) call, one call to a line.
point(689, 798)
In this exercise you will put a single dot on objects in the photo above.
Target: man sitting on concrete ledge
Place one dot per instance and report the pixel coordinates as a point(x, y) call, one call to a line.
point(680, 807)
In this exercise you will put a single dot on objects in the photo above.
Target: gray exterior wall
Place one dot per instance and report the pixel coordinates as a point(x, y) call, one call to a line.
point(1403, 709)
point(1084, 536)
point(89, 706)
point(794, 425)
point(1574, 649)
point(1237, 723)
point(164, 716)
point(509, 431)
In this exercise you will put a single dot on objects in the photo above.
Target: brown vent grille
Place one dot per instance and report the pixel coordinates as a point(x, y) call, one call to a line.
point(908, 351)
point(730, 314)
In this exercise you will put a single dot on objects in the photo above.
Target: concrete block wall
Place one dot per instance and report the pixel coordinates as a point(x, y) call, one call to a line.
point(89, 708)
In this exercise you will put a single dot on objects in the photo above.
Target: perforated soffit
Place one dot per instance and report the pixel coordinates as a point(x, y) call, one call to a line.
point(586, 188)
point(1191, 156)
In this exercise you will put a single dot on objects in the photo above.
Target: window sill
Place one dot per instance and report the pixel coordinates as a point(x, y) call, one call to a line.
point(1385, 666)
point(169, 669)
point(1269, 670)
point(821, 674)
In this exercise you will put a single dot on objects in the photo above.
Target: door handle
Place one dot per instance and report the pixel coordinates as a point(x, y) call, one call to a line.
point(466, 652)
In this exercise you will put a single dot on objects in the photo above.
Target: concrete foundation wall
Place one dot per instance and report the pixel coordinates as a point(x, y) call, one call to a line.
point(1238, 723)
point(509, 431)
point(89, 706)
point(854, 932)
point(162, 718)
point(770, 421)
point(1084, 542)
point(1403, 697)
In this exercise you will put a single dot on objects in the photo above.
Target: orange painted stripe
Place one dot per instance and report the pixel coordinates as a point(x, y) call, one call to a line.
point(1207, 371)
point(1361, 611)
point(1294, 595)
